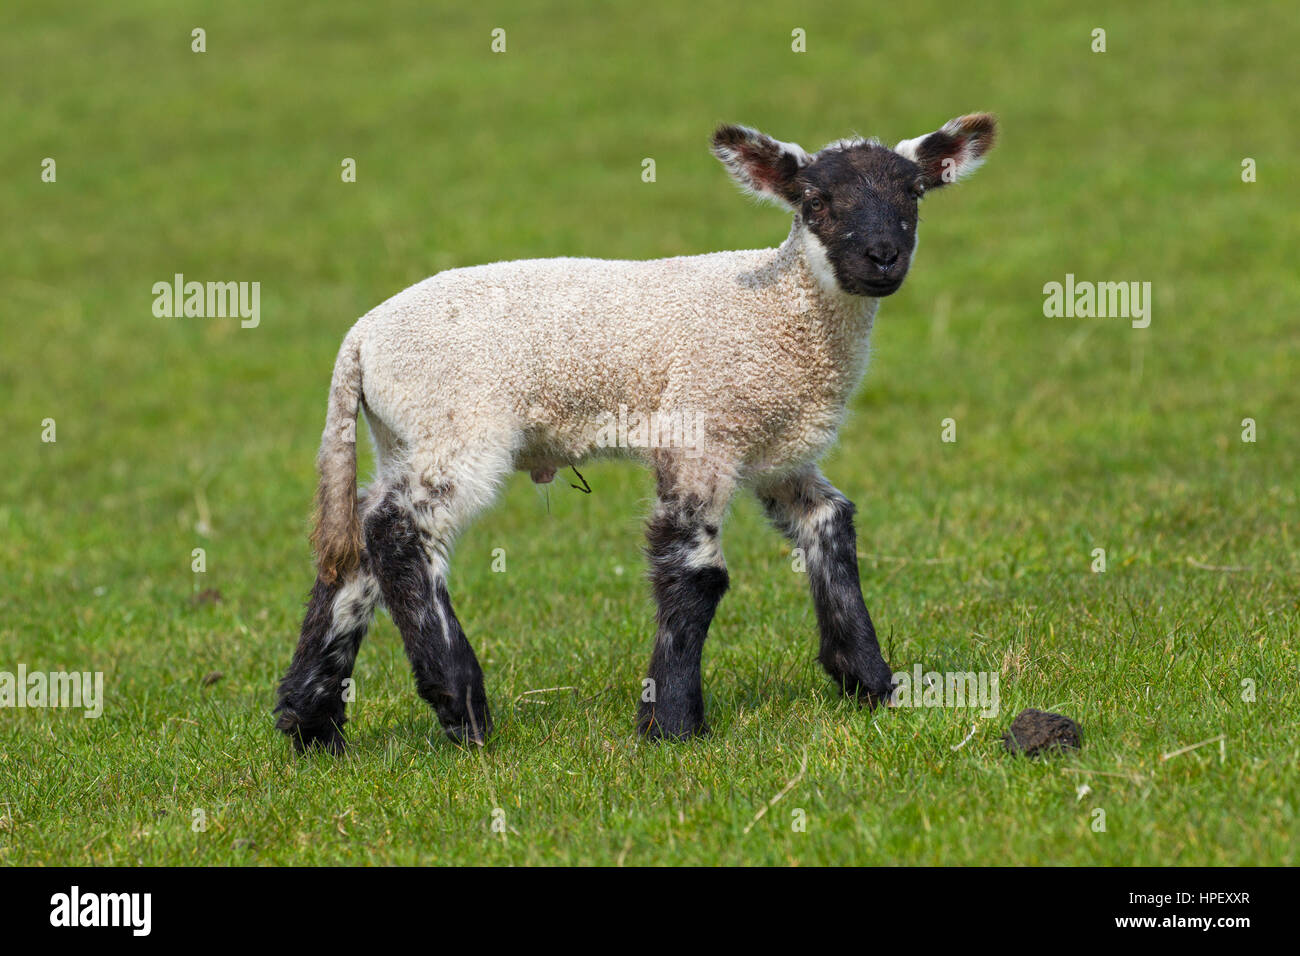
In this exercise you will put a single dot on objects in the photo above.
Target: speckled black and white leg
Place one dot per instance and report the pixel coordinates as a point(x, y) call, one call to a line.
point(408, 540)
point(689, 577)
point(816, 517)
point(311, 695)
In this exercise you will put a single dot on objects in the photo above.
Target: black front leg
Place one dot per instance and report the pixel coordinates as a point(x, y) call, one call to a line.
point(816, 517)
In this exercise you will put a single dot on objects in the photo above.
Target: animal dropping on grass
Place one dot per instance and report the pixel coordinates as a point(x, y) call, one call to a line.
point(1036, 731)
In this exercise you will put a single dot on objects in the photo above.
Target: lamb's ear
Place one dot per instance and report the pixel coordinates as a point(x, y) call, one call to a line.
point(952, 152)
point(762, 165)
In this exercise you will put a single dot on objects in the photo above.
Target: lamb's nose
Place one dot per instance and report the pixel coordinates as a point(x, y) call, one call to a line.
point(883, 254)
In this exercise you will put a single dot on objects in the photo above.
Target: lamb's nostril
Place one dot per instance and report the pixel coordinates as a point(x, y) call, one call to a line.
point(882, 254)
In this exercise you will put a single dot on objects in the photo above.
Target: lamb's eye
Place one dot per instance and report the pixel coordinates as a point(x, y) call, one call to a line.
point(917, 190)
point(815, 204)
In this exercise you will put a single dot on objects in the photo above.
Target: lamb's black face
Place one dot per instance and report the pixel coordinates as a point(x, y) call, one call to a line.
point(860, 202)
point(856, 199)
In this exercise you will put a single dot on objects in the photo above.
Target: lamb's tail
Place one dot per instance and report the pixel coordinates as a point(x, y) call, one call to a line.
point(337, 537)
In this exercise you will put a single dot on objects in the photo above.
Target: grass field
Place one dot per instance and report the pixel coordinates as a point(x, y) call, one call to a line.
point(1072, 434)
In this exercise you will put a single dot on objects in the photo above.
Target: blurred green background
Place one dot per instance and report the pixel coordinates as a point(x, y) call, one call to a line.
point(1073, 434)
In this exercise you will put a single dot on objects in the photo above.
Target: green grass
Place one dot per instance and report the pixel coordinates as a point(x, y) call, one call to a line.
point(1073, 434)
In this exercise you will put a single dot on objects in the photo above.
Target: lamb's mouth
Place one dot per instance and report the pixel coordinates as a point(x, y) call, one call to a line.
point(877, 289)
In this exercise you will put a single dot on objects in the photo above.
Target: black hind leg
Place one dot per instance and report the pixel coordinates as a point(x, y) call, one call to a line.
point(311, 695)
point(409, 561)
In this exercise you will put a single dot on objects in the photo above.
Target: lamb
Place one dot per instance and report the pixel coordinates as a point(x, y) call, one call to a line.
point(479, 371)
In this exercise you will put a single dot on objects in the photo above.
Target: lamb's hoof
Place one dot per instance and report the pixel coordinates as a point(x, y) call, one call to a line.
point(327, 738)
point(465, 734)
point(870, 683)
point(463, 731)
point(656, 725)
point(873, 695)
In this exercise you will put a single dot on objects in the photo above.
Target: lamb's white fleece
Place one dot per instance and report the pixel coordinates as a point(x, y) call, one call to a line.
point(476, 371)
